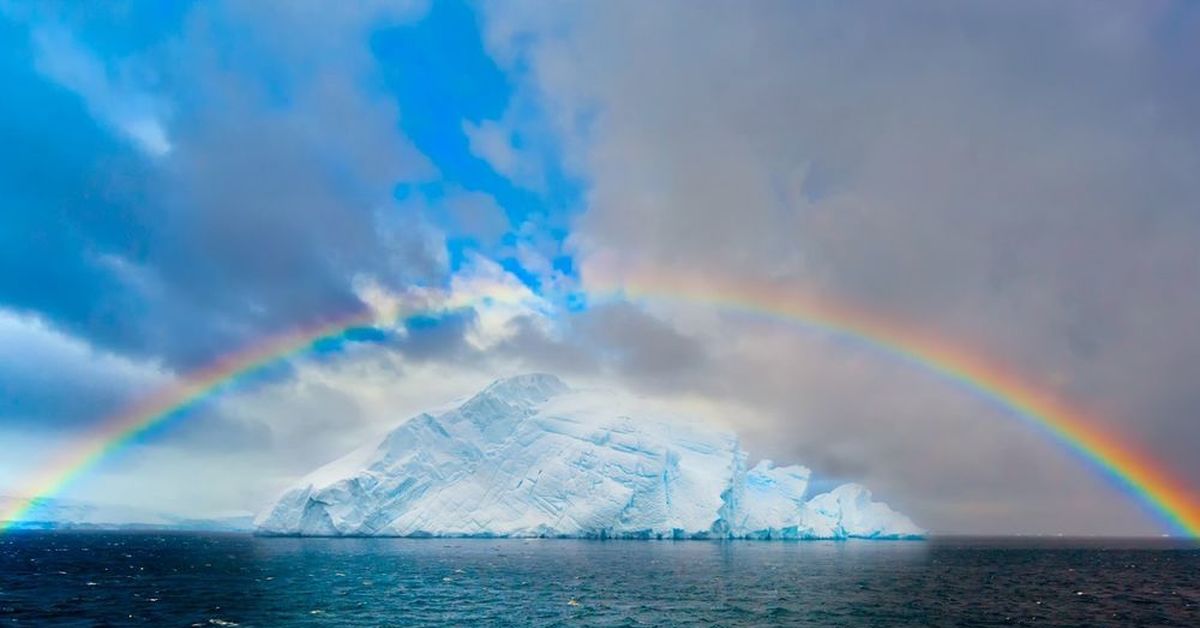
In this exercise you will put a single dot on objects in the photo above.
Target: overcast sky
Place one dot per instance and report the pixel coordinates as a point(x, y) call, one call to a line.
point(1017, 179)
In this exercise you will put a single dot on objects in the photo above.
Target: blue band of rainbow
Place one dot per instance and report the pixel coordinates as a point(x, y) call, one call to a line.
point(1139, 474)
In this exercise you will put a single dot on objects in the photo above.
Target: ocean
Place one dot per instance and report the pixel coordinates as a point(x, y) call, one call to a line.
point(180, 579)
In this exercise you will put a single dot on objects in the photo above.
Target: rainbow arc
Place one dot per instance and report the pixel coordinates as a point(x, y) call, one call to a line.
point(1134, 471)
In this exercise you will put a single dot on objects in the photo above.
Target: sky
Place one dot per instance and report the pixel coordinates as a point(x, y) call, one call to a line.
point(182, 180)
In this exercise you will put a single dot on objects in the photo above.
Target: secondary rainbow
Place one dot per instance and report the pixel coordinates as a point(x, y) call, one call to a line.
point(1133, 470)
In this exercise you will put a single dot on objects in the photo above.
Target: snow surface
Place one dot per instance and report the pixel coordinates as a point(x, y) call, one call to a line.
point(530, 456)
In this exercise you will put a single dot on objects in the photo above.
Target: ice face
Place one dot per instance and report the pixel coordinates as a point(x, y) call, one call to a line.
point(529, 456)
point(848, 512)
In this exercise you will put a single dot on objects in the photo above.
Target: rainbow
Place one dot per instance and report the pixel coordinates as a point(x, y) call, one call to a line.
point(161, 409)
point(156, 411)
point(1128, 467)
point(1134, 471)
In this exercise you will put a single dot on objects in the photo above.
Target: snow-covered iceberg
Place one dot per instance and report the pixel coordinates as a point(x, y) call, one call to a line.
point(530, 456)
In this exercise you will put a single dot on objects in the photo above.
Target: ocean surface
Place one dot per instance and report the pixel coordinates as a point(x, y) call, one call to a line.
point(177, 579)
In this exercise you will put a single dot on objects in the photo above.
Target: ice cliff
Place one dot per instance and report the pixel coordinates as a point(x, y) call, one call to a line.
point(530, 456)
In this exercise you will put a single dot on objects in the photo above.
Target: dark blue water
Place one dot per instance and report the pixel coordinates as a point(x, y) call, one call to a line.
point(82, 578)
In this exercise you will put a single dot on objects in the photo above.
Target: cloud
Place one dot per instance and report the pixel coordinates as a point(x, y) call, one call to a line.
point(1017, 179)
point(640, 347)
point(109, 93)
point(496, 142)
point(51, 381)
point(1013, 178)
point(498, 298)
point(253, 443)
point(616, 342)
point(491, 142)
point(252, 215)
point(476, 215)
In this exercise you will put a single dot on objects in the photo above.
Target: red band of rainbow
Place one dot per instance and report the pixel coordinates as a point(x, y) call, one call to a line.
point(1141, 476)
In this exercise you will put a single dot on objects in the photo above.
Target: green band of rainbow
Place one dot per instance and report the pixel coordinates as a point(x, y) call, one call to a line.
point(1134, 471)
point(117, 432)
point(1119, 459)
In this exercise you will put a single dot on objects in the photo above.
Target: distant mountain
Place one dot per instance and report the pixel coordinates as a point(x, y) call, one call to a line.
point(530, 456)
point(59, 514)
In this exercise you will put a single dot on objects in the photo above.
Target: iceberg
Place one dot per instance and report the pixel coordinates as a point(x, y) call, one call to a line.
point(530, 456)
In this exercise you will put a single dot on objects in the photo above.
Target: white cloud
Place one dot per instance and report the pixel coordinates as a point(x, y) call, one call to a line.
point(494, 141)
point(498, 297)
point(490, 142)
point(109, 93)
